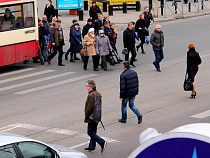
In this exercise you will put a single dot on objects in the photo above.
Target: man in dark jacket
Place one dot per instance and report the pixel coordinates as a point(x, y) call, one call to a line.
point(98, 24)
point(129, 43)
point(94, 10)
point(148, 19)
point(45, 51)
point(57, 41)
point(92, 126)
point(87, 27)
point(157, 41)
point(129, 88)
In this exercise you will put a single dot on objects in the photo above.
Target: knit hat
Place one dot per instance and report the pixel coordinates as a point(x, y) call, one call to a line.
point(91, 30)
point(191, 46)
point(89, 20)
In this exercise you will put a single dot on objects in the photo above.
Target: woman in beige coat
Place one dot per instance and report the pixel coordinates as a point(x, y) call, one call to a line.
point(90, 42)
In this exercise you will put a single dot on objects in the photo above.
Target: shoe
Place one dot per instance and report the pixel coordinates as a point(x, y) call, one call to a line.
point(159, 70)
point(66, 57)
point(96, 69)
point(76, 58)
point(85, 68)
point(61, 64)
point(137, 48)
point(193, 95)
point(135, 59)
point(133, 65)
point(90, 150)
point(147, 42)
point(72, 60)
point(48, 61)
point(143, 52)
point(139, 119)
point(121, 121)
point(105, 70)
point(103, 147)
point(120, 60)
point(35, 61)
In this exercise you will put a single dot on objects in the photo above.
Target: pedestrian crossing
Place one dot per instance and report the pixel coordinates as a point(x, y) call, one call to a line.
point(23, 81)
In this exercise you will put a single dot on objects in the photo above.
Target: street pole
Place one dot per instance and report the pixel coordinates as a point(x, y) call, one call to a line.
point(199, 6)
point(164, 8)
point(182, 3)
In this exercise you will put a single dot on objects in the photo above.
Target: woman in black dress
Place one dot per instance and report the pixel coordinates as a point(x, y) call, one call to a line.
point(193, 60)
point(140, 29)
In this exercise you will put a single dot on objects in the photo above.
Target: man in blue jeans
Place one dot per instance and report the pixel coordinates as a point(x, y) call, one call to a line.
point(129, 88)
point(157, 41)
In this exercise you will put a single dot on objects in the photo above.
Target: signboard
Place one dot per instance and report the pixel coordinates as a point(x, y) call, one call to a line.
point(117, 4)
point(69, 4)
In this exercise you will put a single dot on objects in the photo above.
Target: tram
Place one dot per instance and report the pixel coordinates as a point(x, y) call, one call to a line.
point(18, 31)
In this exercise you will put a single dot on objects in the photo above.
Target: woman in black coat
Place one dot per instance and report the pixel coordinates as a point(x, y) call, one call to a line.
point(49, 11)
point(140, 29)
point(193, 60)
point(94, 10)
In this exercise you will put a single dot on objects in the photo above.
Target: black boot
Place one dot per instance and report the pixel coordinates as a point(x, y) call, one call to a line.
point(142, 51)
point(71, 60)
point(75, 57)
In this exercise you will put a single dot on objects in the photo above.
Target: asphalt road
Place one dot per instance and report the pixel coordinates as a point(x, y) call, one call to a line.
point(47, 102)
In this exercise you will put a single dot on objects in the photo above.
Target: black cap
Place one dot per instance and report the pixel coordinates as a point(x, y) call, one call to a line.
point(59, 21)
point(76, 24)
point(50, 1)
point(89, 20)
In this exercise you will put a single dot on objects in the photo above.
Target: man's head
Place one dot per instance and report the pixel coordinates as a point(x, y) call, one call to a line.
point(40, 22)
point(112, 25)
point(126, 65)
point(89, 21)
point(91, 85)
point(7, 12)
point(100, 16)
point(146, 9)
point(106, 24)
point(44, 18)
point(130, 25)
point(58, 23)
point(158, 27)
point(106, 18)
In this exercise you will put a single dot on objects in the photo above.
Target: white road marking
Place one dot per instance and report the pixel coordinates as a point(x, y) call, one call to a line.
point(55, 84)
point(202, 115)
point(36, 81)
point(25, 76)
point(16, 72)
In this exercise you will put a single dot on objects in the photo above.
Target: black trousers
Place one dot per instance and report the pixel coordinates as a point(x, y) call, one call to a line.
point(104, 60)
point(95, 61)
point(60, 55)
point(133, 52)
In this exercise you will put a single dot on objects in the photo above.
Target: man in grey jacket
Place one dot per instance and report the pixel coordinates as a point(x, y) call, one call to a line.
point(157, 41)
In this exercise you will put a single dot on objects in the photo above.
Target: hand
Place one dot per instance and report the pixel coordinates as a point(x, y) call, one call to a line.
point(125, 48)
point(152, 21)
point(111, 50)
point(115, 30)
point(121, 99)
point(91, 17)
point(80, 42)
point(53, 44)
point(139, 40)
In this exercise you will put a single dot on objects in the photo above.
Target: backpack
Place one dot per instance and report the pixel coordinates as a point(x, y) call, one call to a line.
point(96, 114)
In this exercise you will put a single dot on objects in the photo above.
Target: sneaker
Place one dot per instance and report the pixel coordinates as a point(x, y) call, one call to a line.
point(139, 119)
point(103, 147)
point(133, 65)
point(72, 60)
point(158, 70)
point(121, 121)
point(90, 150)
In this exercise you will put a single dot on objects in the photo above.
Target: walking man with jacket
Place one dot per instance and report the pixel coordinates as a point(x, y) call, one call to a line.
point(57, 40)
point(157, 41)
point(129, 88)
point(92, 126)
point(129, 43)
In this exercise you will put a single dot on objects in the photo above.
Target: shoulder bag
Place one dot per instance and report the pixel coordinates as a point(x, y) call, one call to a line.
point(188, 86)
point(83, 51)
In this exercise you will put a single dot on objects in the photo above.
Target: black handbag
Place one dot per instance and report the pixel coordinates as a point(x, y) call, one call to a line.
point(188, 86)
point(125, 51)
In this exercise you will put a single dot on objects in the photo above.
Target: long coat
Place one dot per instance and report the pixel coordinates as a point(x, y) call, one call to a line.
point(103, 45)
point(88, 39)
point(129, 39)
point(75, 41)
point(94, 11)
point(54, 34)
point(140, 28)
point(49, 12)
point(89, 105)
point(193, 60)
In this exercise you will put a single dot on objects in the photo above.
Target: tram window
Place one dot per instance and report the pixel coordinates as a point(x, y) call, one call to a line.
point(28, 11)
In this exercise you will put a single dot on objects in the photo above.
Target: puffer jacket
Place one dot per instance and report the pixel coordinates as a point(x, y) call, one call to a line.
point(129, 84)
point(157, 40)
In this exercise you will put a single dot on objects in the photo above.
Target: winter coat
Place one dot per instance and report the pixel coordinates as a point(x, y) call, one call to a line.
point(86, 29)
point(112, 36)
point(148, 17)
point(103, 45)
point(75, 41)
point(47, 27)
point(70, 33)
point(91, 49)
point(140, 28)
point(98, 26)
point(89, 105)
point(49, 12)
point(54, 35)
point(129, 39)
point(193, 60)
point(129, 84)
point(106, 31)
point(157, 40)
point(93, 12)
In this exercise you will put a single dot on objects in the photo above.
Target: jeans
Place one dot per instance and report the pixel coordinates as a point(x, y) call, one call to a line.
point(46, 48)
point(91, 131)
point(60, 56)
point(131, 106)
point(158, 58)
point(133, 52)
point(146, 37)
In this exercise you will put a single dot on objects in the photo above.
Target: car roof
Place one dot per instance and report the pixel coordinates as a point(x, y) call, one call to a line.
point(8, 138)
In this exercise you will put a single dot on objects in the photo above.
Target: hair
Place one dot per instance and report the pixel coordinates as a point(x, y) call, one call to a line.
point(126, 64)
point(44, 16)
point(140, 15)
point(92, 84)
point(157, 25)
point(112, 24)
point(51, 24)
point(99, 14)
point(54, 19)
point(130, 23)
point(106, 22)
point(73, 21)
point(146, 7)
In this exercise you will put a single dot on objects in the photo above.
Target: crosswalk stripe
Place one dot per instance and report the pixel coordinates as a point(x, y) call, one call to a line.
point(55, 84)
point(26, 76)
point(16, 72)
point(202, 115)
point(36, 81)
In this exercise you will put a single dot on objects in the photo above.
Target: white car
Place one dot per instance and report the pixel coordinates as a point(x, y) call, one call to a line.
point(15, 146)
